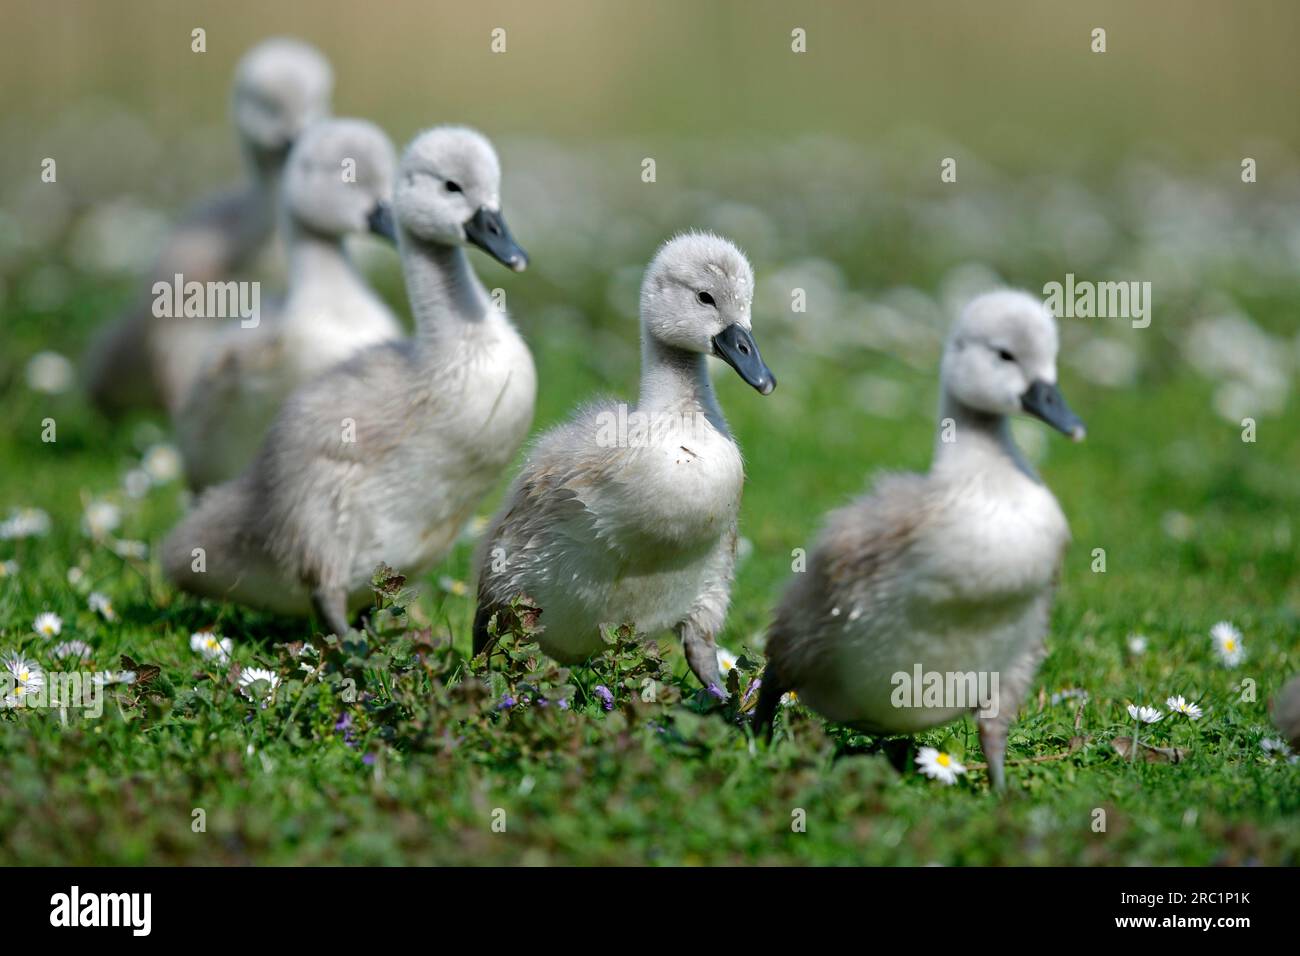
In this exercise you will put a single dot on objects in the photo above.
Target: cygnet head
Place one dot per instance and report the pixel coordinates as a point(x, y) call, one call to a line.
point(449, 193)
point(696, 297)
point(282, 85)
point(339, 179)
point(1001, 359)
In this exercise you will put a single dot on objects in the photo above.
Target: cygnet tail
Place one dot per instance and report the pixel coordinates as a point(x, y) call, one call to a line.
point(118, 370)
point(209, 552)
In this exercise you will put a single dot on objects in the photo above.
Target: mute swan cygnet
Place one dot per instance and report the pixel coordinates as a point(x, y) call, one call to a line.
point(281, 86)
point(384, 457)
point(948, 573)
point(338, 181)
point(628, 516)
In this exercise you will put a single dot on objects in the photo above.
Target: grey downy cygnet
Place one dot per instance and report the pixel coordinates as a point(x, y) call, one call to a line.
point(141, 360)
point(338, 182)
point(383, 458)
point(947, 573)
point(627, 515)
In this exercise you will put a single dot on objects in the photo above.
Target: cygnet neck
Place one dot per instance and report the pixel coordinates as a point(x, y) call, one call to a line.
point(315, 257)
point(444, 292)
point(968, 439)
point(674, 379)
point(265, 167)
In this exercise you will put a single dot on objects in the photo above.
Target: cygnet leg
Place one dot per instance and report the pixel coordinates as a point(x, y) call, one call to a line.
point(993, 741)
point(332, 607)
point(701, 654)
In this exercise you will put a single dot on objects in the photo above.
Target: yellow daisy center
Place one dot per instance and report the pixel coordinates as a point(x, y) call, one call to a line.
point(1229, 645)
point(943, 760)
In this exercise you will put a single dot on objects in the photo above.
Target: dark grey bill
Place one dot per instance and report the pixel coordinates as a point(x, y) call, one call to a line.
point(487, 230)
point(381, 221)
point(1046, 402)
point(735, 346)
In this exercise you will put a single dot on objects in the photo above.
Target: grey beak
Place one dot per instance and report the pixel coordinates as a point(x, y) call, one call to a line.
point(381, 221)
point(487, 230)
point(1046, 402)
point(736, 346)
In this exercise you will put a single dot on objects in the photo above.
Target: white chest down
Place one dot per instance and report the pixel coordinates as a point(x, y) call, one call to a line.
point(969, 605)
point(655, 536)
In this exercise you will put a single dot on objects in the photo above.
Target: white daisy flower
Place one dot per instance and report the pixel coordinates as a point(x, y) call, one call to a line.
point(101, 519)
point(105, 678)
point(1147, 715)
point(938, 765)
point(1179, 705)
point(74, 648)
point(1177, 525)
point(76, 576)
point(251, 675)
point(48, 624)
point(1137, 644)
point(101, 605)
point(473, 529)
point(453, 586)
point(50, 373)
point(1070, 693)
point(727, 661)
point(162, 463)
point(137, 483)
point(211, 646)
point(25, 676)
point(25, 523)
point(131, 549)
point(8, 569)
point(1227, 641)
point(789, 698)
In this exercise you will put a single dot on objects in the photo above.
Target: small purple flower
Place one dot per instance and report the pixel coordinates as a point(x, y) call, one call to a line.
point(563, 704)
point(368, 760)
point(606, 697)
point(754, 685)
point(344, 724)
point(506, 703)
point(717, 691)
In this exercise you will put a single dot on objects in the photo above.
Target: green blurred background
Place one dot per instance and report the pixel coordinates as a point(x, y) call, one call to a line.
point(1013, 79)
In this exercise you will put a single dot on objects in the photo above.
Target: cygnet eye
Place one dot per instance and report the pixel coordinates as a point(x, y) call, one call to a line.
point(454, 187)
point(705, 298)
point(1006, 356)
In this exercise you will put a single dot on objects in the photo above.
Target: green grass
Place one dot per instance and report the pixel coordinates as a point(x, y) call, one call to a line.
point(429, 757)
